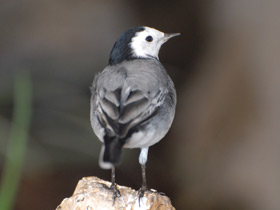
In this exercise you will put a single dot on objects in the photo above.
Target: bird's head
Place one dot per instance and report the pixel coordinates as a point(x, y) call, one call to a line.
point(138, 42)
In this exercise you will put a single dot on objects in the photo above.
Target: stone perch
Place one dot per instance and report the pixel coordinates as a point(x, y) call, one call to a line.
point(90, 194)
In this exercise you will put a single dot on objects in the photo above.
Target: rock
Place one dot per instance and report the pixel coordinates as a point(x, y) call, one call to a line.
point(91, 193)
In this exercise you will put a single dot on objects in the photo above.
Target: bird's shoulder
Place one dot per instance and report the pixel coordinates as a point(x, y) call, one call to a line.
point(146, 75)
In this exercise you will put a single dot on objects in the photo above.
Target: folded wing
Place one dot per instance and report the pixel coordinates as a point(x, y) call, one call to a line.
point(121, 110)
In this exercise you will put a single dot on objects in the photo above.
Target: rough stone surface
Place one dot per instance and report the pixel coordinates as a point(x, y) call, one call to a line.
point(91, 194)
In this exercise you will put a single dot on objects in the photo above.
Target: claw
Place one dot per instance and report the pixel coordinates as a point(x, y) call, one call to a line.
point(145, 189)
point(116, 192)
point(141, 192)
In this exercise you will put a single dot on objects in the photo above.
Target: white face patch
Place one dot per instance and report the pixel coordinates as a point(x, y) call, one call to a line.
point(145, 49)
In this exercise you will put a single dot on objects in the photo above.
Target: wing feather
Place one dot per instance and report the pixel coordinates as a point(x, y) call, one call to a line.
point(124, 101)
point(118, 120)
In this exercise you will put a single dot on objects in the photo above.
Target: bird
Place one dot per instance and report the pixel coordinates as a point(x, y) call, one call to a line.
point(133, 99)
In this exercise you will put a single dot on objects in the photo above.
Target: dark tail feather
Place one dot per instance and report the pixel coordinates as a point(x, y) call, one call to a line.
point(110, 153)
point(112, 150)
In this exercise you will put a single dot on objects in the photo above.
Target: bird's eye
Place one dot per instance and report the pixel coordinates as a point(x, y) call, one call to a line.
point(149, 38)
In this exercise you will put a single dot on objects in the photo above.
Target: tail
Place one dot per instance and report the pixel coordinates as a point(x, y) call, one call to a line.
point(110, 153)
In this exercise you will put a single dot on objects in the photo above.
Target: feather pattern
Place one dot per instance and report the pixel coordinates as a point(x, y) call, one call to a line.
point(125, 99)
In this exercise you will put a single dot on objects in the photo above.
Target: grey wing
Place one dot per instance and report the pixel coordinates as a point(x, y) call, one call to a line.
point(119, 108)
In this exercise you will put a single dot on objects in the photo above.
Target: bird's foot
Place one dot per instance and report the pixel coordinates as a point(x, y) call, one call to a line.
point(141, 192)
point(116, 192)
point(144, 189)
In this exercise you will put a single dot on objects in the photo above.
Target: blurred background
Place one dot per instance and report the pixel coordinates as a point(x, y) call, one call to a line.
point(223, 150)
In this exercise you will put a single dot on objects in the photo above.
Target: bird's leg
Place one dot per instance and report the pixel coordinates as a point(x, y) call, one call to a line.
point(144, 179)
point(143, 160)
point(113, 187)
point(144, 186)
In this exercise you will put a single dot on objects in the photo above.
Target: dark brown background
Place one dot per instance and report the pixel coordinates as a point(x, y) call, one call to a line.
point(222, 152)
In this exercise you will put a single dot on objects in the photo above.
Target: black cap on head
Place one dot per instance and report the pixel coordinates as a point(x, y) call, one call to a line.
point(121, 50)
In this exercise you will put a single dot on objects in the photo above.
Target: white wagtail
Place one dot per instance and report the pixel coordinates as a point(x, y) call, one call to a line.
point(133, 99)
